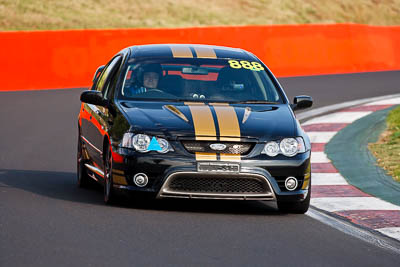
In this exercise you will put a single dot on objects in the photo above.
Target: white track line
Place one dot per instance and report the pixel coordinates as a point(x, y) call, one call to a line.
point(332, 204)
point(392, 101)
point(319, 157)
point(320, 137)
point(328, 179)
point(339, 117)
point(393, 232)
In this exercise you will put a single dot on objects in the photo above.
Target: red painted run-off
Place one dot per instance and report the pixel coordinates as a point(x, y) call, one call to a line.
point(64, 59)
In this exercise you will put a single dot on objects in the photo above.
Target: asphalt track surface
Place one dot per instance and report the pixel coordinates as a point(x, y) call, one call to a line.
point(46, 220)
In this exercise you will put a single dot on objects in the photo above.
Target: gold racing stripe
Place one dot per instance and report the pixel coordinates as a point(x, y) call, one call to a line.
point(119, 179)
point(218, 104)
point(203, 121)
point(181, 51)
point(205, 52)
point(230, 157)
point(118, 171)
point(204, 127)
point(193, 103)
point(228, 123)
point(229, 128)
point(206, 156)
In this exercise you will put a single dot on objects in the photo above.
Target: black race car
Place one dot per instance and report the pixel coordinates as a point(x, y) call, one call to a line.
point(193, 121)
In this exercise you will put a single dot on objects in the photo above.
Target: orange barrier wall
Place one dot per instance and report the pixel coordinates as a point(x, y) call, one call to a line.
point(66, 59)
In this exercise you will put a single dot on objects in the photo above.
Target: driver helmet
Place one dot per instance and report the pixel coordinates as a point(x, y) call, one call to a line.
point(152, 67)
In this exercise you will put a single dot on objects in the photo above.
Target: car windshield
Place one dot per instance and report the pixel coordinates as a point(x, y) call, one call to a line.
point(218, 80)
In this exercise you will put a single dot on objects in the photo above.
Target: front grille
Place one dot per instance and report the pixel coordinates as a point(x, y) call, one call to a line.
point(231, 147)
point(217, 185)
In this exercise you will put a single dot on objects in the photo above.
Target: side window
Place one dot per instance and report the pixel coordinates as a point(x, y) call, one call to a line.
point(101, 84)
point(111, 82)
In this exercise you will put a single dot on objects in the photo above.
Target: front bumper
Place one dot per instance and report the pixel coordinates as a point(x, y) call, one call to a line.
point(162, 169)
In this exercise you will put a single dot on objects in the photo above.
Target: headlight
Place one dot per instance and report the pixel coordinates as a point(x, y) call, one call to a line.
point(144, 143)
point(164, 145)
point(141, 142)
point(287, 146)
point(271, 149)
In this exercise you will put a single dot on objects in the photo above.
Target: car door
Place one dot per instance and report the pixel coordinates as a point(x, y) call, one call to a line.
point(95, 128)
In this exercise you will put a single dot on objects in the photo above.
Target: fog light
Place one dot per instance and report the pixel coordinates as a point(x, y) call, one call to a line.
point(140, 179)
point(291, 183)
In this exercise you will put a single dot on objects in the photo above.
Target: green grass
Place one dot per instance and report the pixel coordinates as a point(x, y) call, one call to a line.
point(100, 14)
point(387, 149)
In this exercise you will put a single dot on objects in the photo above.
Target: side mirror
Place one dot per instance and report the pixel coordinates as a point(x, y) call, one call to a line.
point(301, 102)
point(93, 97)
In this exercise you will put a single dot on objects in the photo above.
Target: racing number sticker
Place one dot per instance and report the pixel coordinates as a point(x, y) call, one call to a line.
point(245, 64)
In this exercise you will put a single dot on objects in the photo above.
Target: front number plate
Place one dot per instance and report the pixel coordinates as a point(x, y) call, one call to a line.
point(217, 167)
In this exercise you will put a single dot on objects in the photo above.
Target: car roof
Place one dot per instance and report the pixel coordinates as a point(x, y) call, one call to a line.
point(189, 51)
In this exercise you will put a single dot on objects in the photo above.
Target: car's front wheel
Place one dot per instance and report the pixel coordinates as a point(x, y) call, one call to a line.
point(109, 192)
point(295, 207)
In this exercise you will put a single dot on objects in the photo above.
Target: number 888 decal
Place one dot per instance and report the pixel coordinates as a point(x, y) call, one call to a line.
point(235, 64)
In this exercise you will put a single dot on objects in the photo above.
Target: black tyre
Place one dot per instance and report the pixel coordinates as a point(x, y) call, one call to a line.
point(109, 192)
point(296, 207)
point(83, 178)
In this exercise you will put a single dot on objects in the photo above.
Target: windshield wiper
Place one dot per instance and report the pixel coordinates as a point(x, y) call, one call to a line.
point(254, 102)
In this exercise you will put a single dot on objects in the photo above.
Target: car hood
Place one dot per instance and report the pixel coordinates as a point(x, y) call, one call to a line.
point(217, 121)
